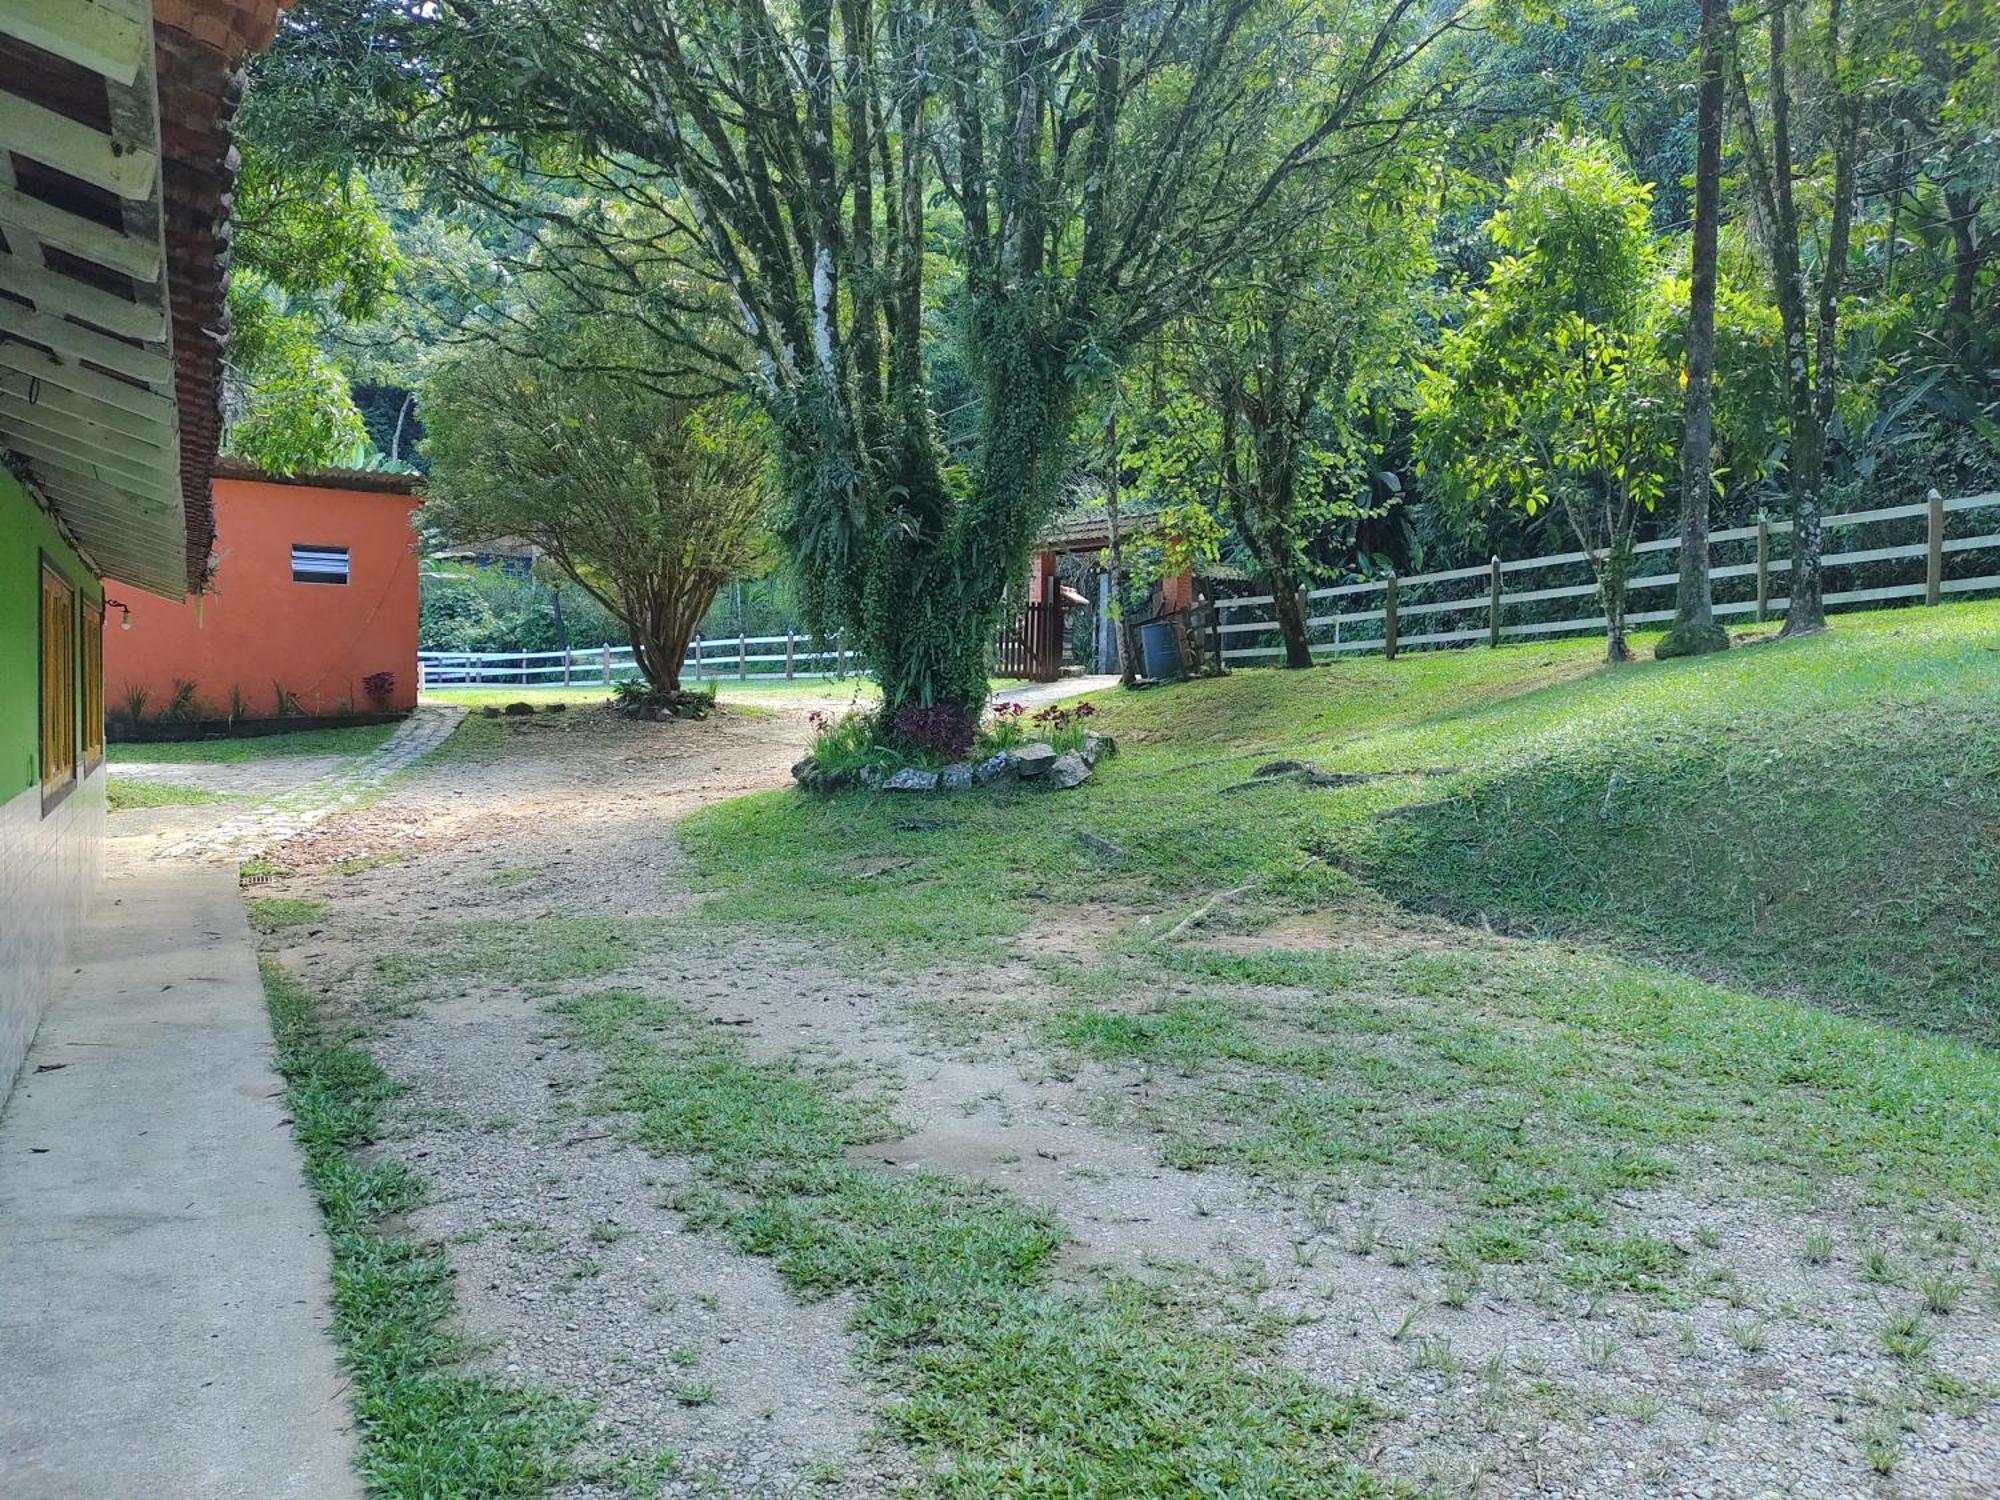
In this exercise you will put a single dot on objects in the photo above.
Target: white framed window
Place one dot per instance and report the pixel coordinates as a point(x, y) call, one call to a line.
point(316, 564)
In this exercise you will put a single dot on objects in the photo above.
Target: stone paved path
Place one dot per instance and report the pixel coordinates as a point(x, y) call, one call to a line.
point(312, 802)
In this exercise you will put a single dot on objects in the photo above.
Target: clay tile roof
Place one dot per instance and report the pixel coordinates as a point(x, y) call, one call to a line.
point(200, 49)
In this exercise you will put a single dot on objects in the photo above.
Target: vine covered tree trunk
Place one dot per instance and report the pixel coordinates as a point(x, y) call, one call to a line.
point(1291, 618)
point(1694, 629)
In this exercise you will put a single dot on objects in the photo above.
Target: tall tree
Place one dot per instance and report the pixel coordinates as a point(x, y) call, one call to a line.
point(1273, 381)
point(1694, 629)
point(1774, 153)
point(1073, 173)
point(1555, 391)
point(650, 502)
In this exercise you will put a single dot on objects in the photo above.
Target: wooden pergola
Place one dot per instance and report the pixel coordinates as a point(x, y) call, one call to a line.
point(115, 176)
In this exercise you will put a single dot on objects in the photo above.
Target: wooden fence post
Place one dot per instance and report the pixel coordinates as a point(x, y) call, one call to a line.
point(1389, 622)
point(1934, 572)
point(607, 664)
point(788, 654)
point(742, 661)
point(697, 656)
point(1493, 605)
point(1763, 570)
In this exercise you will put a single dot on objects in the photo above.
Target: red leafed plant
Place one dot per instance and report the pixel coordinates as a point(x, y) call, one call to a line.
point(938, 728)
point(378, 686)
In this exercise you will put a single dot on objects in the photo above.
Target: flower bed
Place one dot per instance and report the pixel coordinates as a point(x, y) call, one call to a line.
point(930, 749)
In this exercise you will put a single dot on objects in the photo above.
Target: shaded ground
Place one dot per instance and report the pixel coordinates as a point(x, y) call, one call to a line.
point(1747, 1317)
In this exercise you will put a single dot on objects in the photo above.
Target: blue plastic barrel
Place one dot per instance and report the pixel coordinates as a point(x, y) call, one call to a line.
point(1161, 649)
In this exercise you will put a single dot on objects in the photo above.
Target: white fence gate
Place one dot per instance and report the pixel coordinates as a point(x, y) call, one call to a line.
point(1371, 616)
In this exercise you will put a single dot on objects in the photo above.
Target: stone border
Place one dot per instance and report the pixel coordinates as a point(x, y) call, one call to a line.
point(1037, 764)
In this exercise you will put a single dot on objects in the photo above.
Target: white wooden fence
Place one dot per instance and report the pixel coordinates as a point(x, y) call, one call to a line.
point(744, 657)
point(1374, 616)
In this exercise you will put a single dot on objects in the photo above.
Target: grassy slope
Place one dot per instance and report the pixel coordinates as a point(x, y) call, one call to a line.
point(1818, 817)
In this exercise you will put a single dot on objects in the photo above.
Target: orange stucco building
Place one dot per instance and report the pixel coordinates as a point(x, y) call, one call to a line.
point(313, 593)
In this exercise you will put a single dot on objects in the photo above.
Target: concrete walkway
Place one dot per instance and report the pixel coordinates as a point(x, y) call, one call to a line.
point(1041, 694)
point(163, 1272)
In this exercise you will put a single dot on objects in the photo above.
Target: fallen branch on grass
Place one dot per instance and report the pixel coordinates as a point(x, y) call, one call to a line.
point(1201, 912)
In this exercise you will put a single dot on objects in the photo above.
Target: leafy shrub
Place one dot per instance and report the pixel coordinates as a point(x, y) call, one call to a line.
point(378, 686)
point(937, 729)
point(183, 705)
point(638, 697)
point(1004, 729)
point(846, 742)
point(1064, 727)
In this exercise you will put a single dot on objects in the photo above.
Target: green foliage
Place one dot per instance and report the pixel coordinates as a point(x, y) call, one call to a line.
point(650, 502)
point(1556, 390)
point(311, 249)
point(462, 608)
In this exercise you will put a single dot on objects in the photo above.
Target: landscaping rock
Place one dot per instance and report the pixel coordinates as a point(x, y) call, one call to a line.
point(489, 712)
point(997, 766)
point(910, 779)
point(1098, 746)
point(1033, 760)
point(1067, 770)
point(956, 777)
point(516, 710)
point(869, 776)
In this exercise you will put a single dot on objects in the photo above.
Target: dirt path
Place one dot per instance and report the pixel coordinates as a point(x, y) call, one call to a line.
point(576, 1265)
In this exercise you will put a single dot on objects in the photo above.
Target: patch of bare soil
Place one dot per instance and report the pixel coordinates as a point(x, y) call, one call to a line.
point(584, 1279)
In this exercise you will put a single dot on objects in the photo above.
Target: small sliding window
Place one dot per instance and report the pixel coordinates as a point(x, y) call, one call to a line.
point(311, 564)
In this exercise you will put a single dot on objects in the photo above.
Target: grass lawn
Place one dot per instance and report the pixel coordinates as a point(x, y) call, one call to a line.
point(347, 740)
point(1819, 818)
point(1787, 858)
point(1635, 1028)
point(124, 792)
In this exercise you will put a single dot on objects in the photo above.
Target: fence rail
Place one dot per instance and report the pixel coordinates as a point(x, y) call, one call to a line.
point(744, 657)
point(1248, 638)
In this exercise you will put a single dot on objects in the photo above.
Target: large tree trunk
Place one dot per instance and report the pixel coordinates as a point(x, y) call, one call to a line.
point(1291, 618)
point(1694, 629)
point(1127, 671)
point(1807, 460)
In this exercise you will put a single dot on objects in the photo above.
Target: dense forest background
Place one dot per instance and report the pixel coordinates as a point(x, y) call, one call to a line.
point(387, 227)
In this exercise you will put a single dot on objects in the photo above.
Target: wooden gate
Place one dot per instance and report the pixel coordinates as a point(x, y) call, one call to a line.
point(1031, 646)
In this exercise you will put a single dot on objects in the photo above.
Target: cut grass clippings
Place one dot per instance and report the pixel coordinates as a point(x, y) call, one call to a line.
point(430, 1430)
point(1004, 1383)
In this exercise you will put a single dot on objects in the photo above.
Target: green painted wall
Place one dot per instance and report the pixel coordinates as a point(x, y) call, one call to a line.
point(26, 536)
